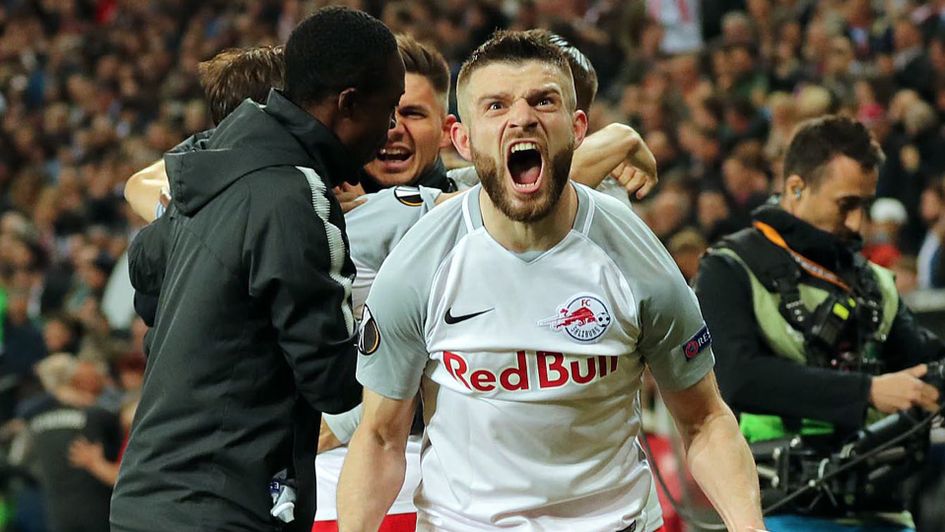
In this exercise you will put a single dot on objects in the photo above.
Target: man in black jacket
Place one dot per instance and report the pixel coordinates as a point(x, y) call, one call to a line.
point(808, 335)
point(253, 335)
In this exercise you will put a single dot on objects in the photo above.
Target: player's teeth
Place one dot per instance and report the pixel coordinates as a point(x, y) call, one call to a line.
point(524, 146)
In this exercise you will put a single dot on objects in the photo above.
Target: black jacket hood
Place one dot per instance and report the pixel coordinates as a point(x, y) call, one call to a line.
point(250, 138)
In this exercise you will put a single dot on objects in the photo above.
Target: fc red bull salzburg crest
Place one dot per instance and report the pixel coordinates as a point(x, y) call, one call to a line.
point(584, 319)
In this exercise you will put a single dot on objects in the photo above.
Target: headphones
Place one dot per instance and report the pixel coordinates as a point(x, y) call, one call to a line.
point(797, 193)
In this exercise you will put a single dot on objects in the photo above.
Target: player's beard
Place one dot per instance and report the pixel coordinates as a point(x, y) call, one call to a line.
point(539, 206)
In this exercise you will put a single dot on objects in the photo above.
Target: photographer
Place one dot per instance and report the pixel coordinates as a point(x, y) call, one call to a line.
point(810, 337)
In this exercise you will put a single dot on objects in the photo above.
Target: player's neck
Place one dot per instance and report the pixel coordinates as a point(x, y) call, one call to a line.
point(542, 235)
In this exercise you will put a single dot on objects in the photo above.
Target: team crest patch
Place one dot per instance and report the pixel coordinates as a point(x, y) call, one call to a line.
point(370, 337)
point(697, 343)
point(409, 196)
point(584, 319)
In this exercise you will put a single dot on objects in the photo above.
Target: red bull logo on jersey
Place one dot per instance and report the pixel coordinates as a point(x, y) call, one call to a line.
point(549, 370)
point(584, 319)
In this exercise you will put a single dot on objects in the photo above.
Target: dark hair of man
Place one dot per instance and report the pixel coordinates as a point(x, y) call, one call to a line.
point(235, 74)
point(425, 61)
point(334, 49)
point(818, 141)
point(585, 77)
point(515, 47)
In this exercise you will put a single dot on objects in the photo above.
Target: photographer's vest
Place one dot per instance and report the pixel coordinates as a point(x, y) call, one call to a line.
point(787, 309)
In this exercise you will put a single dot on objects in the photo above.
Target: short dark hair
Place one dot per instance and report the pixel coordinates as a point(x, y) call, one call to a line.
point(514, 47)
point(425, 61)
point(334, 49)
point(235, 74)
point(585, 77)
point(818, 141)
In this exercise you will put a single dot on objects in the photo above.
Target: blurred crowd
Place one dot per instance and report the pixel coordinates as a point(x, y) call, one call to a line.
point(93, 90)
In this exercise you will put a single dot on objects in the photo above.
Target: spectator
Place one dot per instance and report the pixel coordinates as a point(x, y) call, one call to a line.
point(89, 94)
point(912, 67)
point(75, 500)
point(932, 213)
point(887, 216)
point(687, 247)
point(906, 274)
point(22, 347)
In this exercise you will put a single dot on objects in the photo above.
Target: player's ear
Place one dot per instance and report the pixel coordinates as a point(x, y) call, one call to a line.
point(460, 137)
point(580, 127)
point(447, 130)
point(348, 100)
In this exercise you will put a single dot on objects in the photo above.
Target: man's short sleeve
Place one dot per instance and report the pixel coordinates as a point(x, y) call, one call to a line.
point(392, 349)
point(376, 227)
point(675, 341)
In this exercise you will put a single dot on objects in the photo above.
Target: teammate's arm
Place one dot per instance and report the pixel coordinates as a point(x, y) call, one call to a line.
point(326, 438)
point(143, 190)
point(337, 429)
point(716, 453)
point(374, 469)
point(616, 150)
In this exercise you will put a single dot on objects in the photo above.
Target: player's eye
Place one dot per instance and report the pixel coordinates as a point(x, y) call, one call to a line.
point(495, 106)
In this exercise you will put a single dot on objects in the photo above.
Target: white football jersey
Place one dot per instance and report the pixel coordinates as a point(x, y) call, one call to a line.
point(373, 230)
point(529, 365)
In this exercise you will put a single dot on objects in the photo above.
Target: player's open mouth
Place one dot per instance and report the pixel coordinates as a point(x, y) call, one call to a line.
point(394, 158)
point(526, 166)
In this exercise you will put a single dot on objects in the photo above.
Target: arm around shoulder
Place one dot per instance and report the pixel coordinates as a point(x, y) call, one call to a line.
point(616, 149)
point(143, 190)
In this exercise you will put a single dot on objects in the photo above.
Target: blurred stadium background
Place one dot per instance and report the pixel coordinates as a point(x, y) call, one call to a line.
point(93, 90)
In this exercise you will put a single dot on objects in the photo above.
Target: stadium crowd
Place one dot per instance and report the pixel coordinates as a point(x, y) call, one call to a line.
point(93, 91)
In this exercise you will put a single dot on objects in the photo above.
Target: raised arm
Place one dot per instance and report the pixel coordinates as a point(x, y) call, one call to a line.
point(374, 469)
point(144, 190)
point(717, 454)
point(616, 150)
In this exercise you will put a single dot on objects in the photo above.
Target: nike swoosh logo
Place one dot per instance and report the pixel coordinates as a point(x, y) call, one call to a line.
point(452, 320)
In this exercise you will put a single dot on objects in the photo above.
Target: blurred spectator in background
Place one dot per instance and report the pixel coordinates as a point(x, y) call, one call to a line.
point(881, 231)
point(687, 247)
point(932, 213)
point(75, 499)
point(906, 278)
point(90, 92)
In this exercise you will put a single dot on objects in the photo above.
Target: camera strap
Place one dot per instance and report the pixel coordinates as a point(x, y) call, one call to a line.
point(812, 268)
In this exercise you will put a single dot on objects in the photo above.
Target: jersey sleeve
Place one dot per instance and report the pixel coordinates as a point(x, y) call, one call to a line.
point(675, 341)
point(392, 349)
point(375, 227)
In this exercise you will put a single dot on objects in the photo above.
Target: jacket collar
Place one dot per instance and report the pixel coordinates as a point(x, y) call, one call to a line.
point(317, 140)
point(811, 242)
